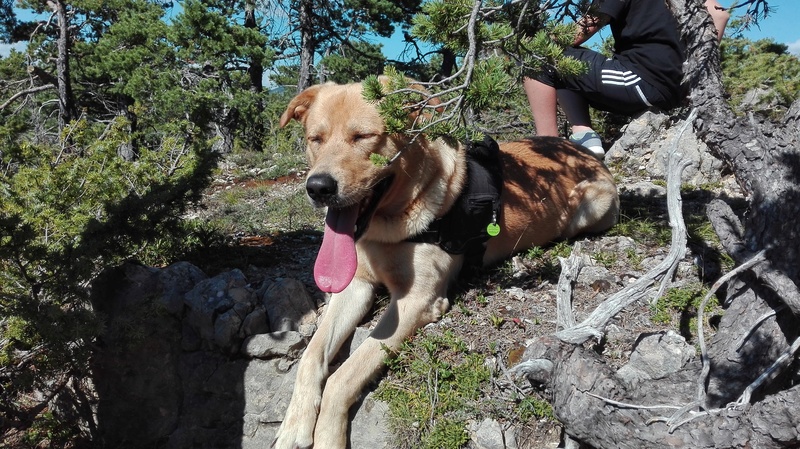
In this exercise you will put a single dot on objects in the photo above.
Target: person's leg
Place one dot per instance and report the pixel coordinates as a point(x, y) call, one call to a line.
point(576, 108)
point(719, 15)
point(542, 99)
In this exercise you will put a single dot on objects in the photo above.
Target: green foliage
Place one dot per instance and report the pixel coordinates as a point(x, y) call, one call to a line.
point(605, 258)
point(531, 407)
point(494, 53)
point(391, 103)
point(679, 306)
point(354, 62)
point(545, 262)
point(492, 80)
point(152, 90)
point(49, 429)
point(451, 378)
point(748, 65)
point(379, 160)
point(640, 226)
point(69, 212)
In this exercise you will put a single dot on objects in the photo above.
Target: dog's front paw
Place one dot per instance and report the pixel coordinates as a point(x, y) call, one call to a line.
point(297, 428)
point(293, 437)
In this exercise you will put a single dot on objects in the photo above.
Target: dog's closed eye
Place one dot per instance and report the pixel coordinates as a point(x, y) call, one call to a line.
point(363, 136)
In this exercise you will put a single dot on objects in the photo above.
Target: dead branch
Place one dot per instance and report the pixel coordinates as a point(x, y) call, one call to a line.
point(19, 94)
point(593, 325)
point(702, 380)
point(782, 362)
point(570, 268)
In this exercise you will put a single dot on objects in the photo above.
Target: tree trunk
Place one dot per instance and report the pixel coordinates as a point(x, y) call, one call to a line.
point(256, 73)
point(760, 326)
point(256, 69)
point(307, 45)
point(581, 379)
point(66, 105)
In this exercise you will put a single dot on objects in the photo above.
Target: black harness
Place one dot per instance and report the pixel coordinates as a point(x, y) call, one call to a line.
point(463, 230)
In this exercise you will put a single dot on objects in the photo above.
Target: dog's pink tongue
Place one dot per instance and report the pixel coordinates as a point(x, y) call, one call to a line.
point(337, 260)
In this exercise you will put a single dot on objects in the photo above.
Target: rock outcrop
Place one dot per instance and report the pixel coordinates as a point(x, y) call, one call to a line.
point(191, 361)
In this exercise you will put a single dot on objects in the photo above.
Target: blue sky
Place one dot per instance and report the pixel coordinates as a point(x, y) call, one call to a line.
point(781, 25)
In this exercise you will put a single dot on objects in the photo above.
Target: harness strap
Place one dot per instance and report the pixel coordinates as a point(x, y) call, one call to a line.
point(463, 229)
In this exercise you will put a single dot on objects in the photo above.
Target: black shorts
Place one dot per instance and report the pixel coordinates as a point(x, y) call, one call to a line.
point(607, 85)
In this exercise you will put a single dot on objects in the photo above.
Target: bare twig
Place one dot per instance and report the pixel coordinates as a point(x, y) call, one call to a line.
point(570, 268)
point(701, 381)
point(756, 324)
point(780, 363)
point(22, 93)
point(633, 406)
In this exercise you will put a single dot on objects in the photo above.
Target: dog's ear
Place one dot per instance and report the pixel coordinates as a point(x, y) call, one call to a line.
point(424, 93)
point(299, 105)
point(425, 114)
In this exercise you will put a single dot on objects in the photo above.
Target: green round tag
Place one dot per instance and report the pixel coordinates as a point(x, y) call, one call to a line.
point(493, 229)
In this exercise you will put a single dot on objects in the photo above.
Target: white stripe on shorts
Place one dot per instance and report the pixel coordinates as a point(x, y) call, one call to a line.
point(626, 78)
point(641, 95)
point(619, 78)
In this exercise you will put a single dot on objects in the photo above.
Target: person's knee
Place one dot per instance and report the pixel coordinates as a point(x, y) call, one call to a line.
point(719, 15)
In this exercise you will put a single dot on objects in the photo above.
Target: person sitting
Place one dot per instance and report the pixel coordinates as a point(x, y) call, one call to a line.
point(644, 72)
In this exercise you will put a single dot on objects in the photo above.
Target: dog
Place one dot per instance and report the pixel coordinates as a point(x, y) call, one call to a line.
point(551, 189)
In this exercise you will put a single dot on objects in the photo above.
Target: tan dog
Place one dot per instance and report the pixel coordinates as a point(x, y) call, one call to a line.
point(551, 190)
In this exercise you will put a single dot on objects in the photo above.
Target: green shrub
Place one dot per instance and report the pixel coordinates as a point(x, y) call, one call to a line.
point(432, 390)
point(70, 210)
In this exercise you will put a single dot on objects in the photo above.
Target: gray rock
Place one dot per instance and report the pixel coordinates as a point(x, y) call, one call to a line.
point(275, 344)
point(647, 189)
point(288, 305)
point(255, 322)
point(369, 428)
point(594, 274)
point(176, 280)
point(226, 331)
point(213, 298)
point(647, 140)
point(489, 434)
point(136, 362)
point(656, 356)
point(267, 392)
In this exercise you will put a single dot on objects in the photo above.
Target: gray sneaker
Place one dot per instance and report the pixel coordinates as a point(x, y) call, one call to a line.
point(591, 141)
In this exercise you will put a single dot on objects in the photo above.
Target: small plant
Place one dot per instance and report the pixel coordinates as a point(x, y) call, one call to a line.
point(531, 407)
point(642, 229)
point(496, 320)
point(432, 389)
point(683, 301)
point(634, 258)
point(561, 249)
point(700, 230)
point(379, 160)
point(535, 253)
point(545, 260)
point(605, 258)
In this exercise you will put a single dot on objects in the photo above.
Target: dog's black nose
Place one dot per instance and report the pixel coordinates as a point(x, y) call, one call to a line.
point(321, 187)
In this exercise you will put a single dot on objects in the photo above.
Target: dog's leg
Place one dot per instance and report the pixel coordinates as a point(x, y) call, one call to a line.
point(423, 304)
point(343, 313)
point(594, 206)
